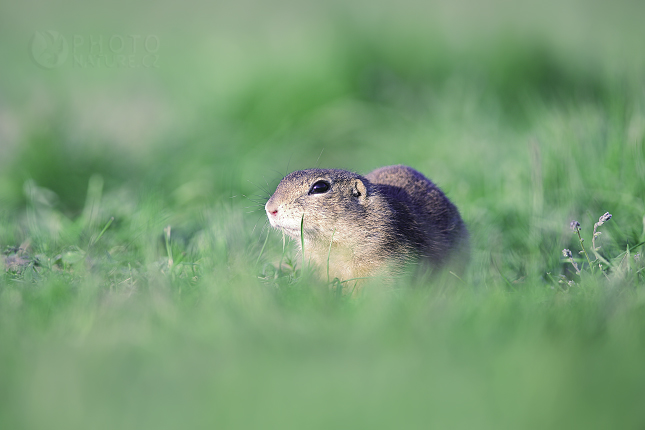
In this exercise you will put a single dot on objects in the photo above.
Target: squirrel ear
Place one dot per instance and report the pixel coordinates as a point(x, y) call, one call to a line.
point(359, 189)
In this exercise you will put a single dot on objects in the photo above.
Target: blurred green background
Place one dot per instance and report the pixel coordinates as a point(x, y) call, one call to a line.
point(139, 142)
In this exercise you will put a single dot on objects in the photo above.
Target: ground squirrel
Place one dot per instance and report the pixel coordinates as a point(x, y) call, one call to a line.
point(375, 224)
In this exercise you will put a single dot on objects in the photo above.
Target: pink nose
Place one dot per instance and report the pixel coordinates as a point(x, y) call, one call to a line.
point(271, 209)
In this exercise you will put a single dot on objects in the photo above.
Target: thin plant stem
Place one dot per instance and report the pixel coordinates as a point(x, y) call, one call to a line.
point(168, 248)
point(584, 251)
point(302, 241)
point(329, 253)
point(355, 279)
point(265, 244)
point(109, 223)
point(593, 238)
point(283, 251)
point(575, 266)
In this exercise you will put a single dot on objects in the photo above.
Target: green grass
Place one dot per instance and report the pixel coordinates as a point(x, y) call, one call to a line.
point(147, 295)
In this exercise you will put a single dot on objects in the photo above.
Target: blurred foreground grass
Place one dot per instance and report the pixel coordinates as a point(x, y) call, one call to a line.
point(133, 293)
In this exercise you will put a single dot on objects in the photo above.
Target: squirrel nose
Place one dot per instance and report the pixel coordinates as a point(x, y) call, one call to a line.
point(271, 208)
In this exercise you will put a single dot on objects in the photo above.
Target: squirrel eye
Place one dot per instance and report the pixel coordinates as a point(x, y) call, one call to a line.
point(319, 187)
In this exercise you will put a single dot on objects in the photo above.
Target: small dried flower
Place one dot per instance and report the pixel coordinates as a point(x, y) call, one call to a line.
point(575, 225)
point(567, 253)
point(604, 218)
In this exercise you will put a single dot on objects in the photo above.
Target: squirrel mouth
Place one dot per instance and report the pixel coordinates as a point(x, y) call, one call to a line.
point(293, 232)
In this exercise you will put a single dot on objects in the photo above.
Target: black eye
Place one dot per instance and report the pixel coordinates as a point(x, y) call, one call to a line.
point(319, 187)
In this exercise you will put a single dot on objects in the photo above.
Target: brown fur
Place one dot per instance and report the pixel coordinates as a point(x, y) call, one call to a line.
point(379, 222)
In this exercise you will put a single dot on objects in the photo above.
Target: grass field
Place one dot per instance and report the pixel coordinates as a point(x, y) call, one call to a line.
point(136, 289)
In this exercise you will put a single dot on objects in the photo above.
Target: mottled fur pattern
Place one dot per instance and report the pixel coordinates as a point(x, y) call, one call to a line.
point(379, 222)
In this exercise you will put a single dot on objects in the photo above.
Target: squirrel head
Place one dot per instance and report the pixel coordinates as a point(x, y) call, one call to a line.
point(329, 199)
